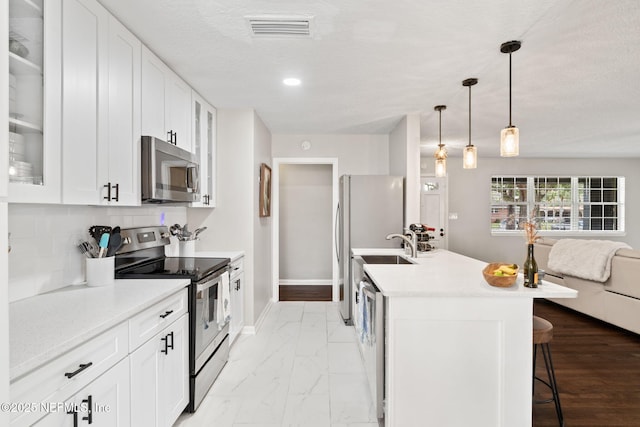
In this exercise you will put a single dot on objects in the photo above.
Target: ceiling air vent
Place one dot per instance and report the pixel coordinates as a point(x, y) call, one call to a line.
point(280, 26)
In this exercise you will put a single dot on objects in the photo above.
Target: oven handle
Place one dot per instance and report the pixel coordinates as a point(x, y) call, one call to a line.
point(210, 281)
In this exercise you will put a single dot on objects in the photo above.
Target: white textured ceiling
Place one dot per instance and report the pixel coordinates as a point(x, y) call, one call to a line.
point(576, 79)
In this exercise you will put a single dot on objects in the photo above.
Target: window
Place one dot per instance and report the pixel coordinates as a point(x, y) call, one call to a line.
point(561, 205)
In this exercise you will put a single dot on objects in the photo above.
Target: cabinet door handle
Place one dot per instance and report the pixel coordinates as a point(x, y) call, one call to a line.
point(82, 367)
point(238, 285)
point(108, 196)
point(172, 137)
point(166, 313)
point(167, 346)
point(165, 339)
point(75, 417)
point(89, 417)
point(117, 196)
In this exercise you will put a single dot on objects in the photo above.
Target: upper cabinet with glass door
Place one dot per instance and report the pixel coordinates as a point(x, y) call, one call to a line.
point(34, 101)
point(204, 147)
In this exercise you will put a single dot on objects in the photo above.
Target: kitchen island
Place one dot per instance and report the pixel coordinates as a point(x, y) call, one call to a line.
point(458, 352)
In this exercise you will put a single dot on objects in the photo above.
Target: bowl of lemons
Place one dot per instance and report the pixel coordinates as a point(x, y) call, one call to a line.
point(500, 274)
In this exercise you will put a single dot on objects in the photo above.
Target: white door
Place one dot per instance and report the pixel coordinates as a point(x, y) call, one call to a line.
point(433, 209)
point(153, 95)
point(103, 403)
point(122, 153)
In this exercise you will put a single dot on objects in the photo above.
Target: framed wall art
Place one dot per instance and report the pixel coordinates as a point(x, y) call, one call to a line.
point(265, 191)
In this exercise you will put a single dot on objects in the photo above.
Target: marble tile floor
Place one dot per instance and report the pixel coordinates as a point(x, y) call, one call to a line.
point(302, 368)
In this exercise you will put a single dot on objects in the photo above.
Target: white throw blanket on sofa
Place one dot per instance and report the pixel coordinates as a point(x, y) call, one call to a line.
point(586, 259)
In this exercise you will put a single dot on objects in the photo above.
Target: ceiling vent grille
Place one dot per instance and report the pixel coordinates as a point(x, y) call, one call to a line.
point(280, 26)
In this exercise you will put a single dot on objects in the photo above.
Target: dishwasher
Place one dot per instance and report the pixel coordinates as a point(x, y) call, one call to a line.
point(369, 325)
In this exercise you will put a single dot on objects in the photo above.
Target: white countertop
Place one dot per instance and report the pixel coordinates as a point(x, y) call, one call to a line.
point(45, 326)
point(233, 255)
point(441, 273)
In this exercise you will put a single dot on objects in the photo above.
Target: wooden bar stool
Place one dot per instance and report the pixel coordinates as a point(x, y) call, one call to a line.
point(542, 335)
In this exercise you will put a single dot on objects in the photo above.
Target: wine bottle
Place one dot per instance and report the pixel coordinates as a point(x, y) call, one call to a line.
point(530, 269)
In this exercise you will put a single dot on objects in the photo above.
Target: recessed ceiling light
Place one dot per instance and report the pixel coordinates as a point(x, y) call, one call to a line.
point(291, 81)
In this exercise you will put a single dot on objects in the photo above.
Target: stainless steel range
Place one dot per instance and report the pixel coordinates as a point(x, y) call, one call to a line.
point(142, 257)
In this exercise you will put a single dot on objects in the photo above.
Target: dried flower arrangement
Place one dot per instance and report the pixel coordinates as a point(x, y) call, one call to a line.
point(531, 228)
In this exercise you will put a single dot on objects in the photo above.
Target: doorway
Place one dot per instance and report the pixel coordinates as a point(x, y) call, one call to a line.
point(433, 208)
point(305, 196)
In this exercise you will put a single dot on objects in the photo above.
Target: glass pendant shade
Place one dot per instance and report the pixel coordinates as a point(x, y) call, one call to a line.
point(441, 161)
point(441, 167)
point(509, 142)
point(470, 157)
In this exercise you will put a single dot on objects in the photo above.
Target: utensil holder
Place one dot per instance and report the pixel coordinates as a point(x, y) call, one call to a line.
point(187, 248)
point(100, 271)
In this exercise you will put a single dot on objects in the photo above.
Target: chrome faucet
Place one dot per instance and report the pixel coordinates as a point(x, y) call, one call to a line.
point(413, 242)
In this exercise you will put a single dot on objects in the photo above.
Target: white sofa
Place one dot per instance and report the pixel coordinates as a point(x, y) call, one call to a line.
point(616, 301)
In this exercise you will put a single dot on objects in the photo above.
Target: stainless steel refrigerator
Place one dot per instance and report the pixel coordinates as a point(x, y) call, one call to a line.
point(370, 208)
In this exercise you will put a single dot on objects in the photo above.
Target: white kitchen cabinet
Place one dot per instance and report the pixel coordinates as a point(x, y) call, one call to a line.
point(103, 403)
point(237, 299)
point(100, 107)
point(160, 376)
point(34, 101)
point(204, 147)
point(67, 375)
point(166, 102)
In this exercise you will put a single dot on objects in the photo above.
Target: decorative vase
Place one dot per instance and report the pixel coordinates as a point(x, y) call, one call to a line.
point(530, 269)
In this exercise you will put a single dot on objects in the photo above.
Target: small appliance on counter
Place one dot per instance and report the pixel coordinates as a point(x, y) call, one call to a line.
point(142, 256)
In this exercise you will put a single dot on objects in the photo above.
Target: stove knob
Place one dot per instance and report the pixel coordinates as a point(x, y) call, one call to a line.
point(165, 235)
point(126, 241)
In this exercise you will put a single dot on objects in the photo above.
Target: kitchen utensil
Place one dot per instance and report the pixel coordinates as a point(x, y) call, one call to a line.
point(186, 234)
point(96, 231)
point(115, 241)
point(104, 244)
point(198, 231)
point(84, 248)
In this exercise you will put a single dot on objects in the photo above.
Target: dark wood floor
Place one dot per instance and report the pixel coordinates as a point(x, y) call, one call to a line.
point(597, 368)
point(305, 293)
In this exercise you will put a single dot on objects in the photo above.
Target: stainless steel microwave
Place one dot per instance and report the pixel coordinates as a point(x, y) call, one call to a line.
point(169, 174)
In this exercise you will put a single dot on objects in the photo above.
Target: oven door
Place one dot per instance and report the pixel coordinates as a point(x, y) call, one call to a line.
point(207, 322)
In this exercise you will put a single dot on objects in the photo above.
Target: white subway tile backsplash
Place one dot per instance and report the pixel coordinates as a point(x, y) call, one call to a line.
point(44, 254)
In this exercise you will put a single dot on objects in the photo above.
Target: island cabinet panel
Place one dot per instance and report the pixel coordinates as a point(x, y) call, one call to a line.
point(458, 361)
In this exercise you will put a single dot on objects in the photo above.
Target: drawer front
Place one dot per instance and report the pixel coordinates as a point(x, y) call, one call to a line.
point(236, 267)
point(63, 377)
point(145, 325)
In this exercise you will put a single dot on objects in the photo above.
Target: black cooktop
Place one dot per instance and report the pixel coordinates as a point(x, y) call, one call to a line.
point(168, 267)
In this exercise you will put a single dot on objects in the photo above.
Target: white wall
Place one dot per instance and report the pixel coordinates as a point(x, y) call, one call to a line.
point(263, 275)
point(404, 160)
point(306, 222)
point(356, 154)
point(230, 224)
point(243, 142)
point(469, 198)
point(44, 254)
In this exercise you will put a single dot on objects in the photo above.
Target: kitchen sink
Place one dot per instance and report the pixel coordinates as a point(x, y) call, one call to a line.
point(385, 259)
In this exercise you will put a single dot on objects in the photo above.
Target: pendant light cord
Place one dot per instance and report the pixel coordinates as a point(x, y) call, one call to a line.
point(510, 125)
point(440, 129)
point(469, 144)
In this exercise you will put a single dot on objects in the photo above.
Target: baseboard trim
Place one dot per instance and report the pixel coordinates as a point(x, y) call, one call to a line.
point(308, 282)
point(252, 330)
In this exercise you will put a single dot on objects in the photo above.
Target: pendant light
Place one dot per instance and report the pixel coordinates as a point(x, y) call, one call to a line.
point(509, 137)
point(441, 153)
point(470, 154)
